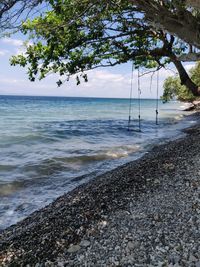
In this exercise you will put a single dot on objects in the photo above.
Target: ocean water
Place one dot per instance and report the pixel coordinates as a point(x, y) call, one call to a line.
point(50, 145)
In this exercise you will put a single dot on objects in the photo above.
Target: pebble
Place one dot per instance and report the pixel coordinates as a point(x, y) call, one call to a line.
point(60, 264)
point(85, 243)
point(192, 258)
point(131, 245)
point(73, 248)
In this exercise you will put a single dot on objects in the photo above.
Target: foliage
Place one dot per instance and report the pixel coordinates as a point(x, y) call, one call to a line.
point(195, 73)
point(72, 36)
point(173, 88)
point(75, 36)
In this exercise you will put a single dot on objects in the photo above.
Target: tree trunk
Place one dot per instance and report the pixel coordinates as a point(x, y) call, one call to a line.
point(181, 23)
point(185, 79)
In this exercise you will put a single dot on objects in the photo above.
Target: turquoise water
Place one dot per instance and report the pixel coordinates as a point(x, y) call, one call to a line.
point(50, 145)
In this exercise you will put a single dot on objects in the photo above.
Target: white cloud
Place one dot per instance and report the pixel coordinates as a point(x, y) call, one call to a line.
point(102, 83)
point(18, 44)
point(13, 42)
point(3, 52)
point(108, 76)
point(12, 81)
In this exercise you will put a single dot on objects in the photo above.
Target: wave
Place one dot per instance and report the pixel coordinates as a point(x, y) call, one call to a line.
point(75, 162)
point(110, 153)
point(28, 139)
point(7, 189)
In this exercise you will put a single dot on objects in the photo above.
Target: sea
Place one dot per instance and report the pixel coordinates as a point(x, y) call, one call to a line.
point(50, 145)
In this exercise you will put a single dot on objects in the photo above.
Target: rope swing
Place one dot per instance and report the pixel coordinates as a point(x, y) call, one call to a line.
point(139, 98)
point(139, 101)
point(130, 101)
point(157, 100)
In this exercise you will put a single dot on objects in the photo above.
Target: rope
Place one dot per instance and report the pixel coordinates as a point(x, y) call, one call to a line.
point(157, 100)
point(130, 101)
point(139, 102)
point(151, 82)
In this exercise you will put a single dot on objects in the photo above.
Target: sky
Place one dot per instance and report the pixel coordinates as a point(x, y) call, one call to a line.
point(105, 82)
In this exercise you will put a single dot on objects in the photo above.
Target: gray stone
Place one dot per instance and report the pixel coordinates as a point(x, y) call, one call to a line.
point(174, 259)
point(156, 181)
point(81, 257)
point(160, 264)
point(192, 258)
point(49, 264)
point(131, 245)
point(85, 243)
point(73, 248)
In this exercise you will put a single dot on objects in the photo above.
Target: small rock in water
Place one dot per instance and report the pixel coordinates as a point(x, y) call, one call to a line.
point(73, 248)
point(85, 243)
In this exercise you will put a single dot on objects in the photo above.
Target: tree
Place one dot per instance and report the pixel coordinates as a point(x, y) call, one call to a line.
point(13, 12)
point(178, 17)
point(173, 88)
point(195, 73)
point(76, 36)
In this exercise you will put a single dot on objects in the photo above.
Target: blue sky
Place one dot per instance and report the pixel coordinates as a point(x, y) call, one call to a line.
point(104, 82)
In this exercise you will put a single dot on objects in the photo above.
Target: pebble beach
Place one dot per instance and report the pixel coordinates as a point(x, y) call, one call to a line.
point(144, 213)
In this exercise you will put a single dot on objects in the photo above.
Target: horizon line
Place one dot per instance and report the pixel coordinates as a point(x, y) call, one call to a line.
point(58, 96)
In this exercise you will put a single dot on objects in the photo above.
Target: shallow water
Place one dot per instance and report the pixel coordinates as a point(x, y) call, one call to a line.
point(49, 145)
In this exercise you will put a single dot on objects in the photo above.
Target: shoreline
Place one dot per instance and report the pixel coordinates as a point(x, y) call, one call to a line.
point(60, 153)
point(54, 233)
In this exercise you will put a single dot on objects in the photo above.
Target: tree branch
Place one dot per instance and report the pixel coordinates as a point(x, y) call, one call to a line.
point(180, 22)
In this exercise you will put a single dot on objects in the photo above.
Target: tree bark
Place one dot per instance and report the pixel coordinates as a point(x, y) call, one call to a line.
point(180, 23)
point(185, 79)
